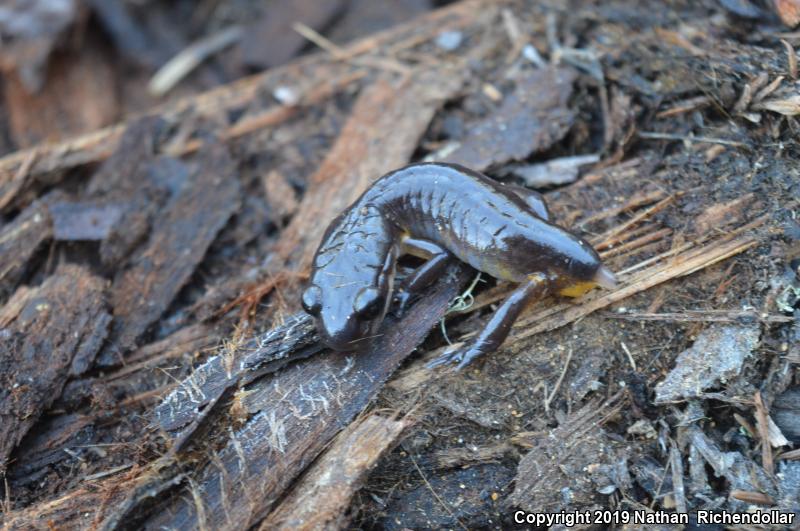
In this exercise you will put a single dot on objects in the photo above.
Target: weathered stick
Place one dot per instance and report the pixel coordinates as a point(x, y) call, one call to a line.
point(321, 498)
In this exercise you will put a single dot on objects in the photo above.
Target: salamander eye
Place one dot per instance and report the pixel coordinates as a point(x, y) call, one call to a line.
point(368, 303)
point(312, 300)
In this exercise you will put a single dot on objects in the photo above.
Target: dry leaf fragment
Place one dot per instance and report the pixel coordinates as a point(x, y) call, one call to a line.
point(787, 106)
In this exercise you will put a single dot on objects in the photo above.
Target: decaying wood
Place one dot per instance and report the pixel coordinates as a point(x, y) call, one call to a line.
point(295, 339)
point(49, 333)
point(47, 164)
point(80, 95)
point(529, 120)
point(130, 182)
point(185, 229)
point(292, 416)
point(321, 497)
point(19, 240)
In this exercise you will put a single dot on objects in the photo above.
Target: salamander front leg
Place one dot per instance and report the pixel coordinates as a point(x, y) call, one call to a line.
point(498, 327)
point(424, 275)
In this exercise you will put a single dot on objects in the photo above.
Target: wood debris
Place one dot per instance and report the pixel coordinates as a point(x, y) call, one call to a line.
point(49, 333)
point(716, 356)
point(348, 459)
point(528, 120)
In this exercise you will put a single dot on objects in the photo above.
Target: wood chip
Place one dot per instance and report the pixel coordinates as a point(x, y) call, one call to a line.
point(49, 333)
point(530, 119)
point(19, 241)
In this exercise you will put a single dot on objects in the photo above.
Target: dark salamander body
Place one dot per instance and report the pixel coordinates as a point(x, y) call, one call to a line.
point(440, 212)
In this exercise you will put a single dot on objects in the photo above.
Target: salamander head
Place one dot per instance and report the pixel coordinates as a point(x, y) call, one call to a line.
point(347, 317)
point(348, 297)
point(570, 261)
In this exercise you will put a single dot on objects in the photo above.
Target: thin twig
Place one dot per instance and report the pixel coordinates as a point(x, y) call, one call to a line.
point(189, 58)
point(791, 58)
point(702, 316)
point(109, 472)
point(340, 54)
point(660, 484)
point(689, 138)
point(630, 356)
point(791, 455)
point(678, 490)
point(430, 487)
point(558, 382)
point(763, 431)
point(613, 236)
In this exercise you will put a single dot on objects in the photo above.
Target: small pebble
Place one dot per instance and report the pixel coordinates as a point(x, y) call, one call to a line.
point(449, 40)
point(285, 96)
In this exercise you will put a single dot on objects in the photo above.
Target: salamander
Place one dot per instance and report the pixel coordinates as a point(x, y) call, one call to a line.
point(442, 212)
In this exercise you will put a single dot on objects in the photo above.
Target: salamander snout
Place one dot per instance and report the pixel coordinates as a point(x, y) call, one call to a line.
point(605, 278)
point(574, 263)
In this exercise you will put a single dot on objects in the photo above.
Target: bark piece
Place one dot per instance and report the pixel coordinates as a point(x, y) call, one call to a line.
point(43, 448)
point(320, 500)
point(75, 221)
point(79, 96)
point(530, 119)
point(716, 356)
point(19, 241)
point(181, 235)
point(789, 11)
point(48, 334)
point(280, 196)
point(136, 181)
point(295, 339)
point(30, 30)
point(785, 411)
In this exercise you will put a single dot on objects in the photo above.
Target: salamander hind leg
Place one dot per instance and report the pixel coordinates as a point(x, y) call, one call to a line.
point(498, 327)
